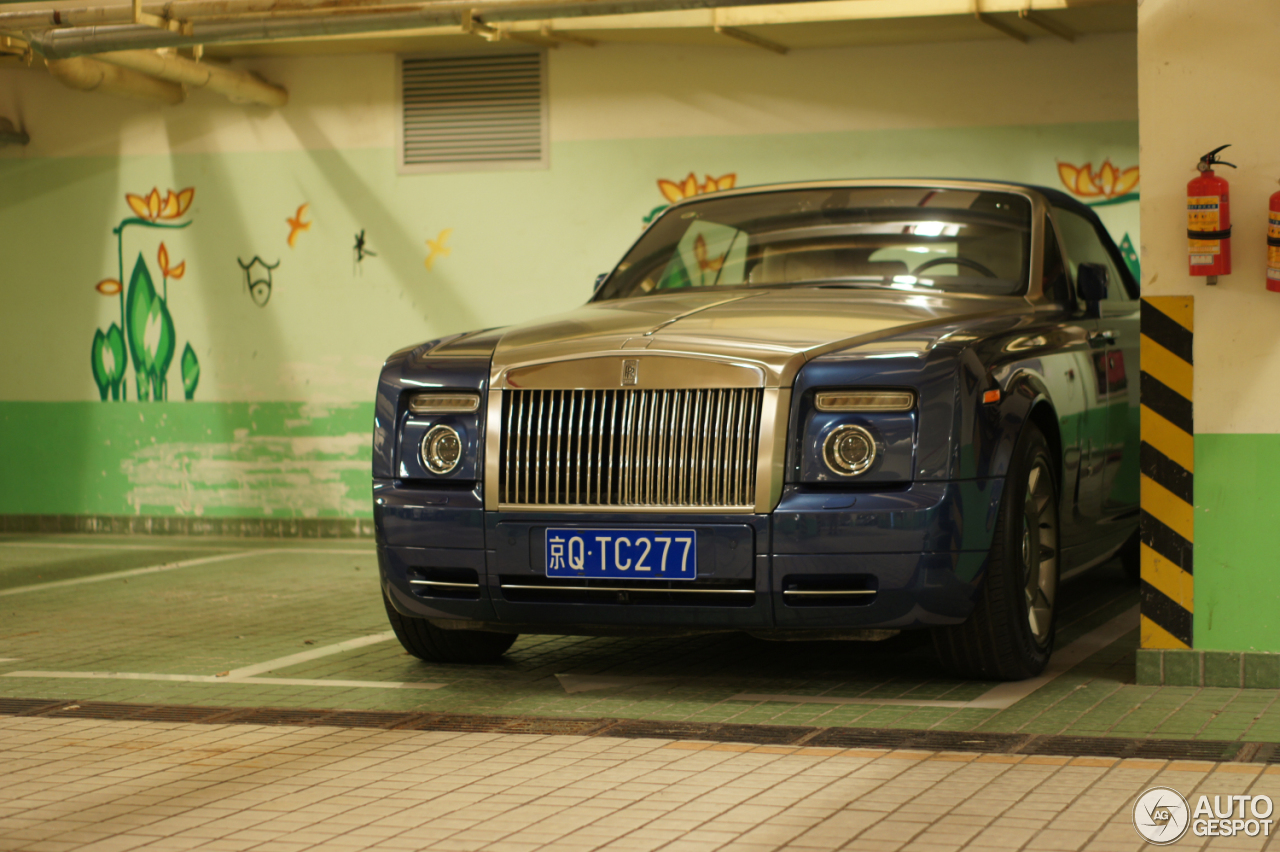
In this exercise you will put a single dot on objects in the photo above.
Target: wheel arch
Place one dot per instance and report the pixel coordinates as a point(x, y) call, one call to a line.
point(1027, 401)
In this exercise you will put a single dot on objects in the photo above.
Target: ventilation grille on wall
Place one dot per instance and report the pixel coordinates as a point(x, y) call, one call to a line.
point(474, 112)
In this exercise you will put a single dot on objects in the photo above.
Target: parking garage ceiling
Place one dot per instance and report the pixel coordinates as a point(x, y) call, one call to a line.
point(228, 28)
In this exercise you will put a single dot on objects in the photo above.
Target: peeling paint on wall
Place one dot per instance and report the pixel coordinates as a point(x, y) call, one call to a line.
point(272, 475)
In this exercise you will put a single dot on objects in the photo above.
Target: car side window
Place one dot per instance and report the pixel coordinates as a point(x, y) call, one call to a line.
point(1057, 287)
point(1083, 245)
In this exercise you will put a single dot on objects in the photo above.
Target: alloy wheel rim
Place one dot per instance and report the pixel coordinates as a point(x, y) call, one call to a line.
point(1039, 551)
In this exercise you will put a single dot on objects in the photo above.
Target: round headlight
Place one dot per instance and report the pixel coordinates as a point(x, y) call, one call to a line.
point(849, 450)
point(441, 449)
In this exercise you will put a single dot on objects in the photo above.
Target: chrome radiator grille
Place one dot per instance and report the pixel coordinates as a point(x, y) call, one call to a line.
point(659, 448)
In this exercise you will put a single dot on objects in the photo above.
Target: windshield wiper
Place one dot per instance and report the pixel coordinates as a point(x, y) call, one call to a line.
point(850, 283)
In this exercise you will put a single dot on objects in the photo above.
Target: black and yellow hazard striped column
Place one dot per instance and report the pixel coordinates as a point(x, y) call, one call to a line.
point(1168, 466)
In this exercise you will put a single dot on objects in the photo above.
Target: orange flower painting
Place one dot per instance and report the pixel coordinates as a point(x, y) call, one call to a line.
point(1107, 182)
point(678, 191)
point(152, 208)
point(109, 287)
point(162, 257)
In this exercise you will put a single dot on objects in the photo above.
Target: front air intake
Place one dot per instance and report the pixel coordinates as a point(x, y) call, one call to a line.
point(641, 448)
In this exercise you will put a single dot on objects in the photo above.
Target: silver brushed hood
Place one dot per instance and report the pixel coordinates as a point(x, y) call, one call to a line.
point(770, 333)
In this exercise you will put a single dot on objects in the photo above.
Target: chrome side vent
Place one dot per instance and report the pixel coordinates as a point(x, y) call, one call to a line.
point(461, 583)
point(829, 589)
point(533, 589)
point(642, 448)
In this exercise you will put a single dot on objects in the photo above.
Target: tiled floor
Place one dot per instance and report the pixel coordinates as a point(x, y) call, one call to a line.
point(199, 611)
point(112, 786)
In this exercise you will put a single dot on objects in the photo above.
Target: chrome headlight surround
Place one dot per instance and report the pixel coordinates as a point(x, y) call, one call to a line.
point(865, 400)
point(849, 450)
point(444, 403)
point(441, 449)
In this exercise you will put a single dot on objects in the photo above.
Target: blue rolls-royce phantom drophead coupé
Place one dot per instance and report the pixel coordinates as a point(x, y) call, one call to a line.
point(838, 410)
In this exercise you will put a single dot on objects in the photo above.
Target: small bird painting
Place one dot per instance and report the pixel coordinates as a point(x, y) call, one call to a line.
point(438, 247)
point(296, 224)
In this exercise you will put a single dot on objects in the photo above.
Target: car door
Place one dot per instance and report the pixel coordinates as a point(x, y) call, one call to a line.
point(1114, 343)
point(1079, 388)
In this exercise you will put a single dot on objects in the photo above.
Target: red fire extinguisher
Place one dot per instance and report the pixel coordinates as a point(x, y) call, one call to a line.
point(1273, 244)
point(1209, 219)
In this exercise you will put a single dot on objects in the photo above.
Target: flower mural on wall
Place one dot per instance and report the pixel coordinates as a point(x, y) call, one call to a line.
point(146, 328)
point(675, 191)
point(151, 208)
point(1106, 185)
point(690, 187)
point(1102, 187)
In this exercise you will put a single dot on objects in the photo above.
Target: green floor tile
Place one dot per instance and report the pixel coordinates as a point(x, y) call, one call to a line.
point(268, 601)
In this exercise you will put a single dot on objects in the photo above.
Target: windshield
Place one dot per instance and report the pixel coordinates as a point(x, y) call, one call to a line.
point(877, 237)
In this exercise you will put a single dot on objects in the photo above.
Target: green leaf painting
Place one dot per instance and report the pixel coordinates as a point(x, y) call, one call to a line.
point(1130, 255)
point(190, 371)
point(137, 315)
point(114, 358)
point(100, 375)
point(159, 344)
point(108, 361)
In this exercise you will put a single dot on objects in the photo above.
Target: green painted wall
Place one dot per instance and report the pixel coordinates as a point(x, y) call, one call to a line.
point(282, 411)
point(1237, 598)
point(218, 459)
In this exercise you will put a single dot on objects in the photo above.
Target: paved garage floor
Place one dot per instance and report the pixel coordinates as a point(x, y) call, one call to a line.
point(299, 624)
point(74, 784)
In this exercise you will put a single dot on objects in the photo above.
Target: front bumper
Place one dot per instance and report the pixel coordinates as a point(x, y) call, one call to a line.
point(822, 560)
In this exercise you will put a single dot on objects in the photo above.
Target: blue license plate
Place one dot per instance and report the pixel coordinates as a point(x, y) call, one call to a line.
point(631, 554)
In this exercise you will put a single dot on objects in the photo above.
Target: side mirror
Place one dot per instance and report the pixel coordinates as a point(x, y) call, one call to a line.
point(1091, 283)
point(599, 280)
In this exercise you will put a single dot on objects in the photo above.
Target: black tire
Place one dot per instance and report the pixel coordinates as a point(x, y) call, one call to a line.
point(427, 642)
point(1010, 634)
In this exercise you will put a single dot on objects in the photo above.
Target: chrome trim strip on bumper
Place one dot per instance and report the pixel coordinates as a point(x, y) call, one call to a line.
point(557, 588)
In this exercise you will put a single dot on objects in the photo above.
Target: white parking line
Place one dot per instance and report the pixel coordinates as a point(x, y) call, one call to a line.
point(831, 699)
point(999, 697)
point(183, 546)
point(70, 545)
point(132, 572)
point(248, 674)
point(1005, 695)
point(306, 656)
point(186, 563)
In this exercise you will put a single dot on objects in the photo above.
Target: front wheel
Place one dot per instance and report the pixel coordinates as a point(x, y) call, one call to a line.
point(1010, 634)
point(427, 642)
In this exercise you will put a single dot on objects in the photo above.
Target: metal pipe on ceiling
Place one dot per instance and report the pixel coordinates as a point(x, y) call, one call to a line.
point(180, 10)
point(238, 86)
point(90, 75)
point(80, 41)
